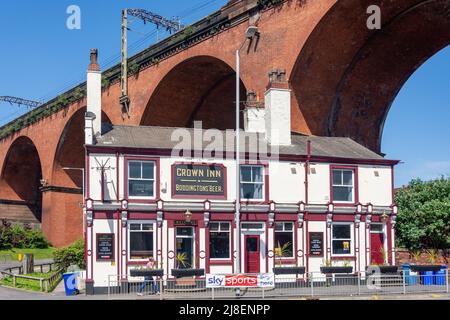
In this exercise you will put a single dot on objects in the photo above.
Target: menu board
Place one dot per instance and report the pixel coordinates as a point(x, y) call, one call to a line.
point(316, 244)
point(105, 246)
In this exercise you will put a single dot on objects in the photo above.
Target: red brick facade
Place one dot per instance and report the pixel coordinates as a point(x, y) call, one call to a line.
point(344, 78)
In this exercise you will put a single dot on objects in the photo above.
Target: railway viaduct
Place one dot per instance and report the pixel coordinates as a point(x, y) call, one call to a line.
point(343, 76)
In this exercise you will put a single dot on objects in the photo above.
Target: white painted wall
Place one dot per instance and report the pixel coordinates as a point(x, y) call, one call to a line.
point(104, 268)
point(278, 116)
point(376, 190)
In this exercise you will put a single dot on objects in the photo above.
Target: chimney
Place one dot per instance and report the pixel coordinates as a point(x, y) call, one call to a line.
point(277, 102)
point(254, 114)
point(94, 99)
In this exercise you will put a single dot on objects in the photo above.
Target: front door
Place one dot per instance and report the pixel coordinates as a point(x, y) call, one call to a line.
point(252, 254)
point(185, 247)
point(377, 255)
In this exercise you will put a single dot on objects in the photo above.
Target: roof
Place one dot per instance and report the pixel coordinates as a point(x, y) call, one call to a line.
point(141, 137)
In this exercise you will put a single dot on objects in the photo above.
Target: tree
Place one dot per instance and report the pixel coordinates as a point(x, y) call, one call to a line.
point(423, 220)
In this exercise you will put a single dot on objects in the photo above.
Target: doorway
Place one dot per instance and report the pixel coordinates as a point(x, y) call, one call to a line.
point(185, 240)
point(377, 248)
point(252, 254)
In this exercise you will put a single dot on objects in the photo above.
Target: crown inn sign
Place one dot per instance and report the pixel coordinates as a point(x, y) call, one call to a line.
point(322, 199)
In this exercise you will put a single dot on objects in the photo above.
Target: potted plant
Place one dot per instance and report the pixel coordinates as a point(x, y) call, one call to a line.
point(280, 252)
point(384, 268)
point(433, 253)
point(329, 268)
point(144, 271)
point(182, 267)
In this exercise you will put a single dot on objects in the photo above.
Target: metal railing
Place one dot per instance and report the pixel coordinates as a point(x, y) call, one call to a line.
point(46, 284)
point(303, 286)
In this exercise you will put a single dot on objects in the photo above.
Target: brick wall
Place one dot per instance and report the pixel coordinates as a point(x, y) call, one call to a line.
point(404, 256)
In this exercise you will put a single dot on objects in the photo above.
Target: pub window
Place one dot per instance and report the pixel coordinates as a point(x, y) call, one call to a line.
point(141, 240)
point(284, 239)
point(341, 239)
point(141, 179)
point(343, 185)
point(252, 182)
point(219, 240)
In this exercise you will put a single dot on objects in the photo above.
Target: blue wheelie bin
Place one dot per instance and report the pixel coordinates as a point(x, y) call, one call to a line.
point(440, 276)
point(70, 283)
point(409, 279)
point(428, 277)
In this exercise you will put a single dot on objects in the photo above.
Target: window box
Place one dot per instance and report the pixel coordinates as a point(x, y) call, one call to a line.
point(382, 269)
point(188, 272)
point(336, 269)
point(288, 270)
point(146, 272)
point(426, 267)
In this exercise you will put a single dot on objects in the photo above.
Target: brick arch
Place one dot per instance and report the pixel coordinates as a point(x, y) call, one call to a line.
point(20, 180)
point(200, 88)
point(353, 74)
point(70, 151)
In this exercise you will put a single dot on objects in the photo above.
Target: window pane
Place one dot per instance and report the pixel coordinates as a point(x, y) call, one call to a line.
point(376, 227)
point(219, 245)
point(140, 188)
point(288, 226)
point(278, 226)
point(257, 174)
point(283, 244)
point(141, 245)
point(134, 169)
point(347, 178)
point(246, 173)
point(249, 225)
point(341, 231)
point(147, 170)
point(184, 231)
point(341, 246)
point(147, 226)
point(214, 226)
point(225, 226)
point(135, 226)
point(343, 194)
point(337, 177)
point(252, 244)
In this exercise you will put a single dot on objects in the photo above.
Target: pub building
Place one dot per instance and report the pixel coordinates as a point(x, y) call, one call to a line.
point(324, 200)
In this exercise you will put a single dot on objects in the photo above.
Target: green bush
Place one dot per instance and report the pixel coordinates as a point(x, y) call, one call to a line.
point(71, 255)
point(18, 236)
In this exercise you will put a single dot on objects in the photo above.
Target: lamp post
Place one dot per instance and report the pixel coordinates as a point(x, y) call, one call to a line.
point(251, 32)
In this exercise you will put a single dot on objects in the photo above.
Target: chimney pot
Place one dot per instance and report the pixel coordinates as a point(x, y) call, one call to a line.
point(94, 66)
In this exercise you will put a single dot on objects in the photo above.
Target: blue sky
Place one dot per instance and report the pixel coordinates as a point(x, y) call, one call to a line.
point(41, 58)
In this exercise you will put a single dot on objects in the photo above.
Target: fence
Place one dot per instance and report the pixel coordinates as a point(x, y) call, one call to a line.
point(308, 285)
point(46, 284)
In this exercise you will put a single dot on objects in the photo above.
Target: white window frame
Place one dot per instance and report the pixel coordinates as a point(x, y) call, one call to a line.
point(153, 223)
point(351, 224)
point(154, 178)
point(343, 185)
point(193, 237)
point(285, 231)
point(263, 183)
point(229, 239)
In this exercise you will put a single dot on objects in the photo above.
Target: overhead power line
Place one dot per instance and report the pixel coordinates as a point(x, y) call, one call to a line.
point(20, 101)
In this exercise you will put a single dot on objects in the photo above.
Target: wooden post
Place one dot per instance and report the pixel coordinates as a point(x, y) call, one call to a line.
point(14, 280)
point(28, 263)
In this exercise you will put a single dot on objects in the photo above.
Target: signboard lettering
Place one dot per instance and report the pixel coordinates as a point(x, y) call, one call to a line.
point(105, 246)
point(199, 180)
point(262, 280)
point(316, 244)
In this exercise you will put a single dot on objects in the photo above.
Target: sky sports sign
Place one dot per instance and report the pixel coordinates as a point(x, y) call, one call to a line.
point(262, 280)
